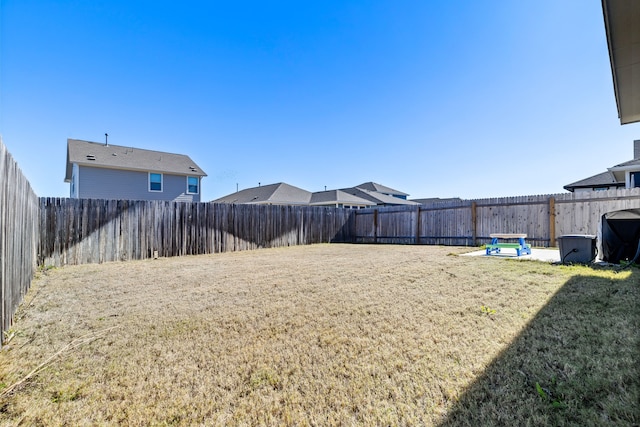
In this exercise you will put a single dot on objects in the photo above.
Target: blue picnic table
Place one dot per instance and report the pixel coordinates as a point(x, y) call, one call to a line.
point(522, 248)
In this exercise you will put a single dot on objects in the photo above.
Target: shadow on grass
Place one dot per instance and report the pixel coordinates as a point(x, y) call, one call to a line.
point(576, 363)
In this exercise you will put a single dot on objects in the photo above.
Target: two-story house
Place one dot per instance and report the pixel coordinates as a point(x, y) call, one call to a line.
point(106, 171)
point(624, 175)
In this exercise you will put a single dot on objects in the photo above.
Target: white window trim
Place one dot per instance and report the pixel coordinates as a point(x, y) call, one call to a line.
point(198, 179)
point(161, 182)
point(627, 175)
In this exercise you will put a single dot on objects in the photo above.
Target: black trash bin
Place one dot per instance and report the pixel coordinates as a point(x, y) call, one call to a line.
point(577, 248)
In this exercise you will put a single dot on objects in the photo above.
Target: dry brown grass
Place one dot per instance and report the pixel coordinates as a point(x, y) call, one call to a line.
point(315, 335)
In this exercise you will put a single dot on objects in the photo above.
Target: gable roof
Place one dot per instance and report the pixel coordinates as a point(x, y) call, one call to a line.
point(276, 194)
point(625, 165)
point(614, 176)
point(338, 197)
point(603, 179)
point(372, 186)
point(86, 153)
point(285, 194)
point(378, 198)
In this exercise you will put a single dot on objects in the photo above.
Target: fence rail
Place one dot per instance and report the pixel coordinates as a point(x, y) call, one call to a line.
point(80, 231)
point(470, 222)
point(18, 237)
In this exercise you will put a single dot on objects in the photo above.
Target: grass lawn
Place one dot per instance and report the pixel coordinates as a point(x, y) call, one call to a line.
point(326, 335)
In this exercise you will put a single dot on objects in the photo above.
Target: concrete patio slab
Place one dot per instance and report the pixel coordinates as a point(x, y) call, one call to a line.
point(537, 254)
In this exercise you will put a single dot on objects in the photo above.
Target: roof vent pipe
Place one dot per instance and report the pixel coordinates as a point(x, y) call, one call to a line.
point(106, 139)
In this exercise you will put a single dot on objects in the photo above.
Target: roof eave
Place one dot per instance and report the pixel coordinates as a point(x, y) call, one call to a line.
point(631, 168)
point(622, 41)
point(607, 30)
point(576, 187)
point(122, 168)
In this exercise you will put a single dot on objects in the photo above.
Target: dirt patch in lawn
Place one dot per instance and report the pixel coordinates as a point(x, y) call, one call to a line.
point(315, 335)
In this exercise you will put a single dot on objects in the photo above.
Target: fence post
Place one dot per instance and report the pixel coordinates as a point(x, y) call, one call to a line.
point(417, 231)
point(375, 226)
point(552, 222)
point(474, 224)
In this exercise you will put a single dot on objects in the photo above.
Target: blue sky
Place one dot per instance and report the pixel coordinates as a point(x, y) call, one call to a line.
point(459, 98)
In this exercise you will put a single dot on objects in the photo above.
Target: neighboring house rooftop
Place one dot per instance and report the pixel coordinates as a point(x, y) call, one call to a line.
point(604, 179)
point(633, 164)
point(280, 193)
point(86, 153)
point(619, 176)
point(378, 198)
point(285, 194)
point(372, 186)
point(338, 197)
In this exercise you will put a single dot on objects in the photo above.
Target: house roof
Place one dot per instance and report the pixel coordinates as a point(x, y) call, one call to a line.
point(378, 198)
point(372, 186)
point(285, 194)
point(338, 197)
point(621, 19)
point(86, 153)
point(276, 194)
point(634, 162)
point(600, 180)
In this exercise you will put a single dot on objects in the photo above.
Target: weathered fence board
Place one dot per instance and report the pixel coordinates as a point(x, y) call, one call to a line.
point(470, 222)
point(582, 214)
point(18, 237)
point(93, 231)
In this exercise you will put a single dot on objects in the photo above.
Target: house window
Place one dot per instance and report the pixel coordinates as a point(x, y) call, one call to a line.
point(155, 182)
point(635, 179)
point(192, 185)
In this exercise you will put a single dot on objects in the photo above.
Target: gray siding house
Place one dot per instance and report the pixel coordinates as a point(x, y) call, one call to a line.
point(106, 171)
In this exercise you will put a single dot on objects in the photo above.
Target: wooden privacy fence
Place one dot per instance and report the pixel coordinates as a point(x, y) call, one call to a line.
point(18, 237)
point(470, 222)
point(84, 231)
point(80, 231)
